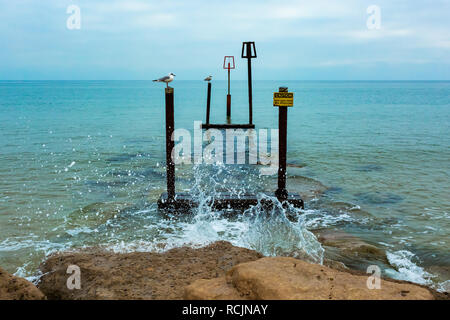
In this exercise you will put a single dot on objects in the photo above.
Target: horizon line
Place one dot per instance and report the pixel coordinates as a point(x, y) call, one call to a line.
point(321, 80)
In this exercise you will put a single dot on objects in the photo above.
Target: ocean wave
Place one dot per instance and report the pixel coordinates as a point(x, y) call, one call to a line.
point(407, 269)
point(10, 245)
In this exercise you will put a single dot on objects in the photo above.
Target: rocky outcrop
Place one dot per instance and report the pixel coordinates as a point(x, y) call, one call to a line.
point(348, 243)
point(15, 288)
point(138, 275)
point(351, 251)
point(282, 278)
point(217, 271)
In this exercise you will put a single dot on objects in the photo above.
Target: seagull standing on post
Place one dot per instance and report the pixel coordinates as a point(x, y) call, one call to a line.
point(208, 78)
point(166, 79)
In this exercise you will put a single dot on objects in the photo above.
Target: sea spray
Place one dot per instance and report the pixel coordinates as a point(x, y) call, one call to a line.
point(272, 233)
point(266, 229)
point(407, 269)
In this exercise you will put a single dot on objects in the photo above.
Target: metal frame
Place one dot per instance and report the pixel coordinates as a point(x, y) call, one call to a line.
point(183, 202)
point(225, 66)
point(248, 52)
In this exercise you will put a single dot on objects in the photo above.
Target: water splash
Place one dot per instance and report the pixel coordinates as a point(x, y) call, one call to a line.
point(272, 233)
point(274, 230)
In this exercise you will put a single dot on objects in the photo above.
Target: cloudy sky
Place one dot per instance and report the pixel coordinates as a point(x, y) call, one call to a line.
point(304, 40)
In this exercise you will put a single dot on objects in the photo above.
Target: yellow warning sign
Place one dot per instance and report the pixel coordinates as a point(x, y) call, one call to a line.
point(283, 99)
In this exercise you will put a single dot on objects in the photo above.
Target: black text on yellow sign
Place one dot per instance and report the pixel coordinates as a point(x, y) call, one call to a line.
point(283, 99)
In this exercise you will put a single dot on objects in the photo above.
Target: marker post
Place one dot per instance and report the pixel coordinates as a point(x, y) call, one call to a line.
point(208, 103)
point(249, 52)
point(170, 125)
point(282, 99)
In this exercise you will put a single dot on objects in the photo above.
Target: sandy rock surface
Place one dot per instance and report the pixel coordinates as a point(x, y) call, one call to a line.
point(274, 278)
point(217, 271)
point(15, 288)
point(139, 275)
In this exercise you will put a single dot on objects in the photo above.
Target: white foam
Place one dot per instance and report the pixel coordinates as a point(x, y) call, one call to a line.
point(23, 273)
point(443, 286)
point(76, 231)
point(10, 245)
point(406, 269)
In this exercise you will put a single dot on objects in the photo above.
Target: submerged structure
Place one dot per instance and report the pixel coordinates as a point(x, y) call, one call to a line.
point(183, 202)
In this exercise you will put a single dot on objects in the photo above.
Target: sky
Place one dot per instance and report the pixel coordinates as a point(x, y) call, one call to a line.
point(295, 40)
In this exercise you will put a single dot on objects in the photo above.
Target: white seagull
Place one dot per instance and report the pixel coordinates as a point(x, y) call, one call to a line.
point(166, 79)
point(208, 78)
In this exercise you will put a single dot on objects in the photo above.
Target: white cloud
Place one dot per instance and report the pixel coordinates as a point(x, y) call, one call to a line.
point(119, 6)
point(289, 34)
point(370, 62)
point(157, 20)
point(378, 34)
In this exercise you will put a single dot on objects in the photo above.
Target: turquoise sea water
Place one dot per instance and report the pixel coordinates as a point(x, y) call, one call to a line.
point(82, 163)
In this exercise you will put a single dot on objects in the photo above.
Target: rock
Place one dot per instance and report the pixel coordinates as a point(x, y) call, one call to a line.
point(350, 245)
point(296, 164)
point(139, 275)
point(15, 288)
point(308, 188)
point(442, 278)
point(213, 289)
point(217, 271)
point(282, 278)
point(96, 214)
point(441, 272)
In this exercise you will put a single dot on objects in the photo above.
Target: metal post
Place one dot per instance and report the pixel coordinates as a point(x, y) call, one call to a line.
point(229, 67)
point(170, 165)
point(229, 95)
point(228, 107)
point(208, 103)
point(281, 192)
point(250, 96)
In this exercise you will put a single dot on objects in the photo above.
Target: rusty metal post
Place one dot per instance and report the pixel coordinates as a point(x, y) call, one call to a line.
point(250, 95)
point(229, 67)
point(170, 165)
point(208, 103)
point(248, 47)
point(228, 106)
point(281, 192)
point(228, 95)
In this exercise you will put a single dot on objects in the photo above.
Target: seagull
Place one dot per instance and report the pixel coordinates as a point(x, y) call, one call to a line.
point(208, 78)
point(166, 79)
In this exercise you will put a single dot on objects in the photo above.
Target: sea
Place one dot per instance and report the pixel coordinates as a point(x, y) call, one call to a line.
point(82, 163)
